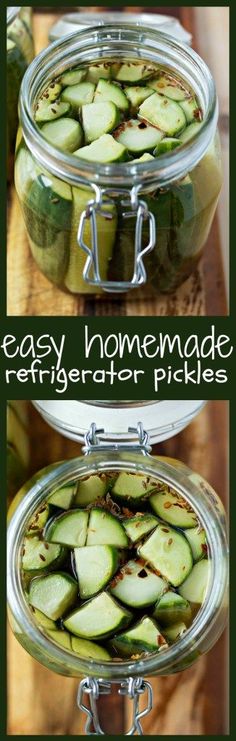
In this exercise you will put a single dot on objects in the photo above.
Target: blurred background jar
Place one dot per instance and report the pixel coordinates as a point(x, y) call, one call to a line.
point(20, 52)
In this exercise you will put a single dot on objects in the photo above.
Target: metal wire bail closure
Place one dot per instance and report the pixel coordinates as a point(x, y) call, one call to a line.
point(91, 271)
point(93, 442)
point(133, 688)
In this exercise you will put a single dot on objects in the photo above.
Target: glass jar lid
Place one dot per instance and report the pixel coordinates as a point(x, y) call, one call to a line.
point(119, 419)
point(72, 22)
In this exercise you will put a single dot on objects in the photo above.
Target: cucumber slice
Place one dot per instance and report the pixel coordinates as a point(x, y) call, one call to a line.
point(166, 145)
point(89, 490)
point(132, 72)
point(64, 134)
point(137, 136)
point(172, 608)
point(146, 157)
point(137, 586)
point(190, 131)
point(105, 150)
point(197, 540)
point(39, 521)
point(164, 113)
point(97, 71)
point(108, 91)
point(51, 93)
point(95, 566)
point(53, 594)
point(43, 620)
point(63, 497)
point(78, 95)
point(174, 631)
point(169, 553)
point(105, 529)
point(133, 486)
point(191, 110)
point(145, 636)
point(61, 637)
point(89, 649)
point(136, 95)
point(168, 86)
point(73, 76)
point(51, 111)
point(38, 556)
point(68, 529)
point(173, 509)
point(98, 618)
point(138, 526)
point(195, 587)
point(99, 119)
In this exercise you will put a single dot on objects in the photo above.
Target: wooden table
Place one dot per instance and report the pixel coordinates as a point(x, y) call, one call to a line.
point(204, 293)
point(193, 702)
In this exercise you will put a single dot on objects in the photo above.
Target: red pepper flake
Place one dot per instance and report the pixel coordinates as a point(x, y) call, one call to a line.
point(204, 547)
point(42, 557)
point(167, 505)
point(161, 641)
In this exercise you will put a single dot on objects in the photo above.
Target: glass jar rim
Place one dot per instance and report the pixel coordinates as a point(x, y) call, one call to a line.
point(163, 169)
point(211, 520)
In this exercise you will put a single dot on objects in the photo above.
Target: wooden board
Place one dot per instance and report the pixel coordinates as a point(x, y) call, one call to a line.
point(204, 293)
point(193, 702)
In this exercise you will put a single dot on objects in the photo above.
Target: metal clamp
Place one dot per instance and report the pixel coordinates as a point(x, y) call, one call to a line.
point(93, 442)
point(132, 688)
point(103, 199)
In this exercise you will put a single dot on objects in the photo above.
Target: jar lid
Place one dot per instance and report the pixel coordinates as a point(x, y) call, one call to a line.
point(72, 22)
point(160, 419)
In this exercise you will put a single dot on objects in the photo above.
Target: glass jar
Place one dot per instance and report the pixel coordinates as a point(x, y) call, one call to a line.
point(17, 447)
point(20, 52)
point(160, 211)
point(101, 456)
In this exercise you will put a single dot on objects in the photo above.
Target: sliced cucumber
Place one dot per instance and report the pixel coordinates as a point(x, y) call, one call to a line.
point(197, 540)
point(137, 136)
point(105, 529)
point(39, 521)
point(174, 631)
point(136, 95)
point(133, 486)
point(138, 526)
point(164, 113)
point(97, 71)
point(50, 111)
point(78, 95)
point(95, 566)
point(60, 637)
point(190, 131)
point(89, 649)
point(68, 529)
point(166, 145)
point(191, 109)
point(137, 586)
point(105, 150)
point(169, 554)
point(145, 636)
point(51, 93)
point(63, 497)
point(195, 587)
point(146, 157)
point(64, 133)
point(38, 555)
point(89, 490)
point(98, 618)
point(73, 76)
point(99, 119)
point(173, 509)
point(108, 91)
point(132, 72)
point(168, 86)
point(172, 608)
point(53, 594)
point(43, 620)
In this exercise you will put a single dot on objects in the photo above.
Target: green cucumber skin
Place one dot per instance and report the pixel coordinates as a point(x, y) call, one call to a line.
point(166, 507)
point(68, 529)
point(168, 551)
point(98, 633)
point(172, 608)
point(51, 605)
